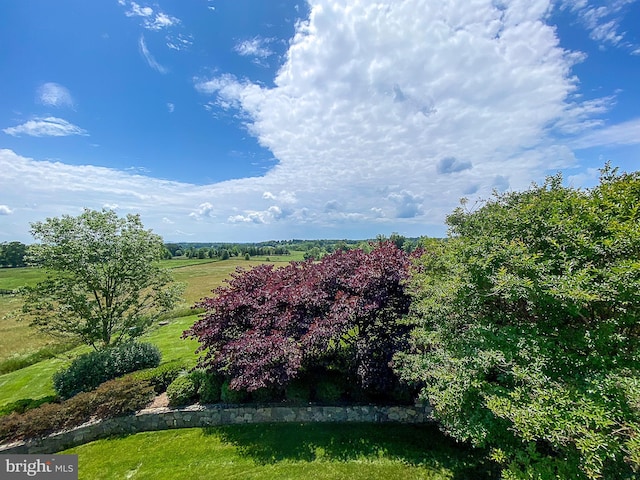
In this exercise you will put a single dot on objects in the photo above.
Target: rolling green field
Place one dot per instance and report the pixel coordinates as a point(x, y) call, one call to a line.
point(18, 341)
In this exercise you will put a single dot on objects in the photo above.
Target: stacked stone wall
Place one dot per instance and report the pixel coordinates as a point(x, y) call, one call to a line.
point(207, 416)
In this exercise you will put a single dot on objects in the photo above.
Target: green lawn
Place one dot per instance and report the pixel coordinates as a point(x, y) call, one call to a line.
point(289, 451)
point(35, 381)
point(12, 278)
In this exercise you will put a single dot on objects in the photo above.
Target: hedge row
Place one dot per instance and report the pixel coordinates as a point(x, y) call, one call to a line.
point(114, 398)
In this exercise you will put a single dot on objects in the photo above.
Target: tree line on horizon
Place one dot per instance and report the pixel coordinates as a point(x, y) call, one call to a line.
point(13, 254)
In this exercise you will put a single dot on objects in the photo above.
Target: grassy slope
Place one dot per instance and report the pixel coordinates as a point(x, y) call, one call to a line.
point(18, 339)
point(35, 381)
point(314, 451)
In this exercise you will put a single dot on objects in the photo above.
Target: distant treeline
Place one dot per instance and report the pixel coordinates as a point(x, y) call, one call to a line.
point(12, 254)
point(312, 248)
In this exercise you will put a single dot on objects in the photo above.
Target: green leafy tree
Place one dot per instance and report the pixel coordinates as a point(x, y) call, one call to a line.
point(104, 284)
point(527, 338)
point(12, 254)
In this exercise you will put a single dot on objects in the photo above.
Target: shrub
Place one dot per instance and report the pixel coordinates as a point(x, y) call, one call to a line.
point(229, 395)
point(24, 404)
point(111, 399)
point(328, 391)
point(90, 370)
point(527, 337)
point(161, 377)
point(122, 396)
point(298, 391)
point(268, 323)
point(210, 389)
point(266, 395)
point(182, 391)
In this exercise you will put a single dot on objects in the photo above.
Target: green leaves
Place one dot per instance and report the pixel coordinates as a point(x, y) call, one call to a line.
point(104, 285)
point(527, 337)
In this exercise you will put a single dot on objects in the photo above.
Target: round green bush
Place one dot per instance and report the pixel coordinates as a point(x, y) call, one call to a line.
point(328, 391)
point(298, 391)
point(161, 377)
point(210, 389)
point(182, 391)
point(228, 395)
point(88, 371)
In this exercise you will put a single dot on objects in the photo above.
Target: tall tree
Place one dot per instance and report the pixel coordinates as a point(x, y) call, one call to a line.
point(104, 284)
point(527, 338)
point(269, 323)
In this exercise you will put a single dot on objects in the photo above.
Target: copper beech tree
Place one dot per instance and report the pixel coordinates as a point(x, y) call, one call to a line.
point(268, 324)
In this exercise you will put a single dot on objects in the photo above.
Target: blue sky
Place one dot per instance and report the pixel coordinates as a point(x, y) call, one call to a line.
point(248, 120)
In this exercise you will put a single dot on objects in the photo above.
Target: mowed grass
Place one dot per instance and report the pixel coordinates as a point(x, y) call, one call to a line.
point(19, 341)
point(35, 381)
point(284, 451)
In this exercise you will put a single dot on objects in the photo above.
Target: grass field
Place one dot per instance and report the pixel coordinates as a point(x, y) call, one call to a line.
point(289, 451)
point(21, 344)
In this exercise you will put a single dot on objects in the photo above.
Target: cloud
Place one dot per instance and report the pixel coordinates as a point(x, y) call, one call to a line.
point(45, 127)
point(171, 107)
point(452, 165)
point(408, 204)
point(602, 21)
point(204, 210)
point(626, 133)
point(255, 47)
point(151, 61)
point(54, 95)
point(361, 104)
point(381, 116)
point(179, 42)
point(151, 19)
point(5, 210)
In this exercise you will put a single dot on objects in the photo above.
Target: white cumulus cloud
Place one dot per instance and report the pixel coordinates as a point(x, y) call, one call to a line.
point(382, 115)
point(5, 210)
point(45, 127)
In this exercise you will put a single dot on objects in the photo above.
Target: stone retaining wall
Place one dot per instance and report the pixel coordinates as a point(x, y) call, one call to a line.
point(206, 416)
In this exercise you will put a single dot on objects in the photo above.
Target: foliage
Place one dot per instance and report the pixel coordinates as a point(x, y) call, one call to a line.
point(268, 324)
point(12, 254)
point(161, 376)
point(182, 391)
point(24, 404)
point(210, 389)
point(527, 333)
point(88, 371)
point(327, 391)
point(228, 395)
point(111, 399)
point(298, 391)
point(104, 284)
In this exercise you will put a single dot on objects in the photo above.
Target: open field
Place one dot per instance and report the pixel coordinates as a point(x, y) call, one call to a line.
point(18, 341)
point(311, 451)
